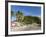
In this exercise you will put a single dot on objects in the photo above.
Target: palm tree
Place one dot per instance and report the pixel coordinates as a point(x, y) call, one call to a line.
point(19, 16)
point(12, 14)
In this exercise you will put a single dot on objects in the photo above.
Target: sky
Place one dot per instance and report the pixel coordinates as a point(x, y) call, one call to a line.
point(27, 10)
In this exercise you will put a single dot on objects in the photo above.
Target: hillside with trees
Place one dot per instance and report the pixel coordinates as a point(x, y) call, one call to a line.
point(26, 19)
point(22, 22)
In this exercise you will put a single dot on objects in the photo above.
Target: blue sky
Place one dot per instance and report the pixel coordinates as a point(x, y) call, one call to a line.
point(27, 10)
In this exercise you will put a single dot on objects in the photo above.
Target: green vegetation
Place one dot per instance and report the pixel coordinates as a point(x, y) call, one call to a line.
point(31, 19)
point(12, 13)
point(26, 19)
point(19, 16)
